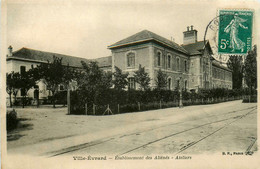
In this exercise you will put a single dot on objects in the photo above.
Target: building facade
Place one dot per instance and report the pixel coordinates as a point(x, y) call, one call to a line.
point(24, 59)
point(190, 65)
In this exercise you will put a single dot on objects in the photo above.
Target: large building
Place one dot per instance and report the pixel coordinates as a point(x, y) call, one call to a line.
point(24, 59)
point(190, 65)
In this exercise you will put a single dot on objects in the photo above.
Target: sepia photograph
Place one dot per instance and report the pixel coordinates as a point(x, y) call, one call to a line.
point(126, 84)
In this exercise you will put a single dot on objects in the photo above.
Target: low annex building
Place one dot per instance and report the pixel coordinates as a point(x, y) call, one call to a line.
point(24, 59)
point(190, 65)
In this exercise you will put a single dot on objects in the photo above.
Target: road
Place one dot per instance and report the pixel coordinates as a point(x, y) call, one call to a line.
point(221, 128)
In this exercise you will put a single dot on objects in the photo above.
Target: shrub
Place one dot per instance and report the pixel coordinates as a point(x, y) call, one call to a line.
point(11, 120)
point(250, 99)
point(149, 99)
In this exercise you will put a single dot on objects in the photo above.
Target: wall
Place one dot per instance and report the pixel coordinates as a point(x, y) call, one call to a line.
point(14, 65)
point(221, 78)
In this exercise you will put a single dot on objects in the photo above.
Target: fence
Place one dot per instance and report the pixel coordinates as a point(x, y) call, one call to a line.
point(114, 108)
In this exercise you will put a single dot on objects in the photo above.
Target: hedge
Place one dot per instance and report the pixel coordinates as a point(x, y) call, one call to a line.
point(121, 101)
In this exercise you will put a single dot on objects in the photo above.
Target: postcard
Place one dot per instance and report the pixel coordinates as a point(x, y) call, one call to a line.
point(129, 84)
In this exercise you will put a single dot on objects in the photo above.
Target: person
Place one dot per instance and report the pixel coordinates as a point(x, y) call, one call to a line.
point(232, 28)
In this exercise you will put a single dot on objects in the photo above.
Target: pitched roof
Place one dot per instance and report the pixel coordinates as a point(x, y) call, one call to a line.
point(218, 64)
point(104, 61)
point(195, 48)
point(144, 36)
point(41, 56)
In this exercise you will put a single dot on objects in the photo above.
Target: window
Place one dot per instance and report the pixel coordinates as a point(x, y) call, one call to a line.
point(185, 66)
point(178, 84)
point(131, 83)
point(178, 63)
point(169, 83)
point(131, 60)
point(169, 61)
point(22, 70)
point(159, 56)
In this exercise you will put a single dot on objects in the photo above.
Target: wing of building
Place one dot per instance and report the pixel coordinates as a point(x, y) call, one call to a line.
point(25, 59)
point(190, 65)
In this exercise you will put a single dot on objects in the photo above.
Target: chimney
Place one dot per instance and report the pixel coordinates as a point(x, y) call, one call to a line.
point(190, 36)
point(10, 51)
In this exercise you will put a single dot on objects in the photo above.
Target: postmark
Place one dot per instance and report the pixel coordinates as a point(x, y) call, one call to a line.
point(235, 31)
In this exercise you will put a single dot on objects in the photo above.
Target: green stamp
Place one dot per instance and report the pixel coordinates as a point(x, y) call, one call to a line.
point(235, 31)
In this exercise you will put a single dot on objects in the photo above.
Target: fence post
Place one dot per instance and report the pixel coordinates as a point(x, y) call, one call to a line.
point(94, 109)
point(139, 107)
point(86, 108)
point(68, 100)
point(118, 108)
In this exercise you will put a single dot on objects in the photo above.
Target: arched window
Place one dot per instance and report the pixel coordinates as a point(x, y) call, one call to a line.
point(185, 66)
point(169, 61)
point(159, 57)
point(131, 60)
point(169, 83)
point(178, 64)
point(178, 84)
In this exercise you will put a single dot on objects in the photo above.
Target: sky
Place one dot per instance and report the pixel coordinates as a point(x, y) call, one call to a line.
point(86, 28)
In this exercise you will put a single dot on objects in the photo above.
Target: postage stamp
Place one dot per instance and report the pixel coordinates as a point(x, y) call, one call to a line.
point(235, 31)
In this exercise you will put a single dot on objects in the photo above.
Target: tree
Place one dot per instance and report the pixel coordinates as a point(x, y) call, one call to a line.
point(235, 63)
point(53, 75)
point(12, 85)
point(26, 83)
point(142, 78)
point(16, 84)
point(93, 82)
point(120, 79)
point(161, 81)
point(250, 68)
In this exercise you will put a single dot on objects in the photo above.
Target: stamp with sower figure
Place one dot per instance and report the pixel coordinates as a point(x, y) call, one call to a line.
point(235, 31)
